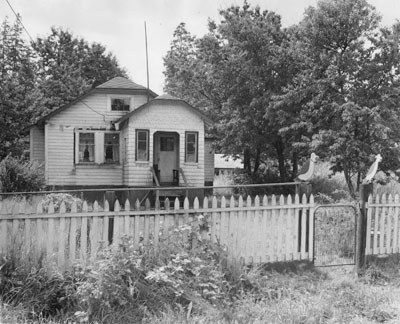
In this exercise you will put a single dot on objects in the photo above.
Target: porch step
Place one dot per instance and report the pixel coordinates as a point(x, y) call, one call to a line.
point(171, 195)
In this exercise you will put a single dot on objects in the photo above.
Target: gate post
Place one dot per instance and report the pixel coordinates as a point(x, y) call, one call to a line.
point(365, 191)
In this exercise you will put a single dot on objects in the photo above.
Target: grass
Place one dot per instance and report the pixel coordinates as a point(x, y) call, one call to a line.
point(306, 296)
point(282, 293)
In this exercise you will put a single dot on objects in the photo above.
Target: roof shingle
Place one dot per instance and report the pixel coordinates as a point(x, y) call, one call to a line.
point(120, 83)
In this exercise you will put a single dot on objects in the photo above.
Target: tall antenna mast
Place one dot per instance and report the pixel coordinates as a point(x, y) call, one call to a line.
point(147, 61)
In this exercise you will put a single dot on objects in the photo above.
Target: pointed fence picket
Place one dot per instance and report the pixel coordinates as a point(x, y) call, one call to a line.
point(263, 229)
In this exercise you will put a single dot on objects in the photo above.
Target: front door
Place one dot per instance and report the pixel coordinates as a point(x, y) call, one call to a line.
point(166, 150)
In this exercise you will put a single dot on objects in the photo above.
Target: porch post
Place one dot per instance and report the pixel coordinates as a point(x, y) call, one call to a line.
point(361, 238)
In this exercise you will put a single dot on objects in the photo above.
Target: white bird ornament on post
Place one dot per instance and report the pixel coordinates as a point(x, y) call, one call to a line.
point(372, 170)
point(307, 170)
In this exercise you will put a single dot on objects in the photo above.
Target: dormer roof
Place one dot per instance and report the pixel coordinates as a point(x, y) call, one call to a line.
point(120, 83)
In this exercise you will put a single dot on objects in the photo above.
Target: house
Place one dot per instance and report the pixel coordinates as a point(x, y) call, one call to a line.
point(226, 164)
point(120, 134)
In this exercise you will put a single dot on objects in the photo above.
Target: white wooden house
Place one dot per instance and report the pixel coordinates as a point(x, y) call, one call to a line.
point(120, 134)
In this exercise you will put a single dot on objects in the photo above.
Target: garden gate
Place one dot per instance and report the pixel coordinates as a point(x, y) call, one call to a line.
point(335, 235)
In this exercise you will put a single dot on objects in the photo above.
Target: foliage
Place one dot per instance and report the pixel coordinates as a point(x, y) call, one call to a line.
point(17, 175)
point(69, 66)
point(185, 270)
point(27, 281)
point(328, 84)
point(328, 187)
point(293, 292)
point(232, 73)
point(46, 294)
point(17, 84)
point(58, 198)
point(45, 74)
point(349, 71)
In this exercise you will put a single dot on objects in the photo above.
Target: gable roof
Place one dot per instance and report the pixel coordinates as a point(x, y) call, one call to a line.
point(117, 85)
point(165, 98)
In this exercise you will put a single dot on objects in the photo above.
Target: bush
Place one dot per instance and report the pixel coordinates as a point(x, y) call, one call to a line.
point(184, 271)
point(329, 188)
point(58, 198)
point(17, 175)
point(264, 176)
point(125, 284)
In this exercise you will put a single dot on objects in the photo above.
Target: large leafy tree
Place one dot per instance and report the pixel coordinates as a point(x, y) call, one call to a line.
point(342, 90)
point(68, 65)
point(17, 85)
point(234, 71)
point(43, 75)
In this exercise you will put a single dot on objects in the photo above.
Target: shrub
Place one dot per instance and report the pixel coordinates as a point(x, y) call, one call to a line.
point(263, 176)
point(58, 198)
point(184, 271)
point(329, 188)
point(17, 175)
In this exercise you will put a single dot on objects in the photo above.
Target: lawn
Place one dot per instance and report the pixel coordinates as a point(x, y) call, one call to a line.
point(294, 293)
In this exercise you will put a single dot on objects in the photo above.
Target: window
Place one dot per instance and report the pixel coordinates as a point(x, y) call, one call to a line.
point(120, 104)
point(111, 147)
point(97, 147)
point(166, 143)
point(191, 147)
point(86, 147)
point(142, 145)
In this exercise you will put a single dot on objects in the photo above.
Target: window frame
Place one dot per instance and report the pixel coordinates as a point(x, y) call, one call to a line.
point(99, 157)
point(118, 151)
point(78, 144)
point(187, 133)
point(147, 132)
point(110, 99)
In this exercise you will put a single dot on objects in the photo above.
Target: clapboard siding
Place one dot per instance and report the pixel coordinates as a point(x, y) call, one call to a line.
point(93, 113)
point(61, 169)
point(37, 144)
point(165, 117)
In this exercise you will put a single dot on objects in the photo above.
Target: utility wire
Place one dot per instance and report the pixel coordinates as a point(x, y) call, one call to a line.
point(92, 109)
point(20, 21)
point(26, 30)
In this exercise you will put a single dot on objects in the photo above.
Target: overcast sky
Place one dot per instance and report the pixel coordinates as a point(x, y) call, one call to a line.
point(119, 24)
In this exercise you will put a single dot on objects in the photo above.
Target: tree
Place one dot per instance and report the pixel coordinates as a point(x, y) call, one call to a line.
point(234, 71)
point(38, 77)
point(69, 66)
point(349, 68)
point(17, 84)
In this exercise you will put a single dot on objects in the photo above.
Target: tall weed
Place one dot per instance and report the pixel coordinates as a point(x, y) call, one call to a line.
point(17, 175)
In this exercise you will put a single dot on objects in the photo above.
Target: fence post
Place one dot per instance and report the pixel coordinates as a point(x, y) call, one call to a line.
point(365, 191)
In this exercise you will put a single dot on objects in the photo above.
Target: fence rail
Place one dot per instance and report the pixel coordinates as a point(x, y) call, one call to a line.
point(253, 230)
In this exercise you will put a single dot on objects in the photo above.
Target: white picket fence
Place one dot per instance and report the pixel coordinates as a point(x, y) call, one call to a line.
point(253, 230)
point(383, 232)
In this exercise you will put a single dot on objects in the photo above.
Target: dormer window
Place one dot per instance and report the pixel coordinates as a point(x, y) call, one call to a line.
point(119, 103)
